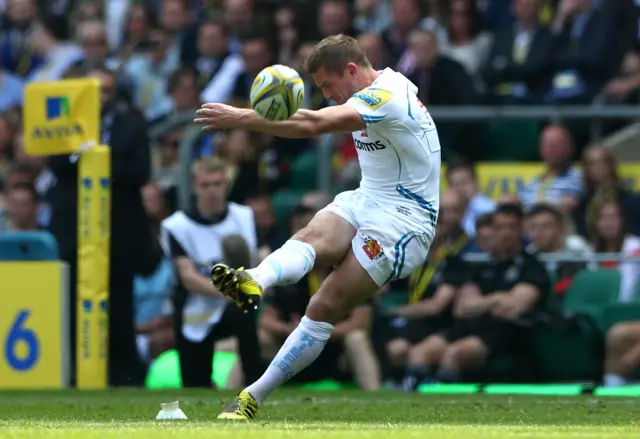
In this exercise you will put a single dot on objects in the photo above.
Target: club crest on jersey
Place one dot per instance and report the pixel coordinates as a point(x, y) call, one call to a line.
point(372, 249)
point(374, 98)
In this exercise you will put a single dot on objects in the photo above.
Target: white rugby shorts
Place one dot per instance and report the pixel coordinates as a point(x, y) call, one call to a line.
point(387, 246)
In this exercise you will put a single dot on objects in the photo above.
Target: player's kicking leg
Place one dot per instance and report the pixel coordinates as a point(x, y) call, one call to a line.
point(348, 286)
point(326, 241)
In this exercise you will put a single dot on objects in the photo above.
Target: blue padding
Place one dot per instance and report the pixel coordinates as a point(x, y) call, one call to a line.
point(28, 246)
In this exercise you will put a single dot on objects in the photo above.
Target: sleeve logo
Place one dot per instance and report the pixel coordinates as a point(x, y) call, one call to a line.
point(374, 98)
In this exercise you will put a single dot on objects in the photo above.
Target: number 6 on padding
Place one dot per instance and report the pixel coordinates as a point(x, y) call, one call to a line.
point(19, 333)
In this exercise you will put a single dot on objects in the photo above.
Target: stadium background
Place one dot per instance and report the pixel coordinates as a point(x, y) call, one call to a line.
point(171, 55)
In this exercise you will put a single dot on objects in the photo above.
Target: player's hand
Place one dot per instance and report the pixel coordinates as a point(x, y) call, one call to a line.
point(218, 117)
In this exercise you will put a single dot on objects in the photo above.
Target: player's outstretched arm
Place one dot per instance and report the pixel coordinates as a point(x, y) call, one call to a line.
point(304, 123)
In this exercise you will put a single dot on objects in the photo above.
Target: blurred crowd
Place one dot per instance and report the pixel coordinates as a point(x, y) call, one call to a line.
point(158, 60)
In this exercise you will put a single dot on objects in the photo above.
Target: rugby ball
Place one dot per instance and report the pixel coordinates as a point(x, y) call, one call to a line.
point(277, 92)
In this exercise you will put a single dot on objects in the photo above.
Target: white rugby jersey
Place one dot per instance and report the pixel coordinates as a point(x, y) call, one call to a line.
point(399, 151)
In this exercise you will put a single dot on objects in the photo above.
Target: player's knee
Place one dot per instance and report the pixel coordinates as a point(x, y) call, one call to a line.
point(397, 351)
point(328, 305)
point(429, 351)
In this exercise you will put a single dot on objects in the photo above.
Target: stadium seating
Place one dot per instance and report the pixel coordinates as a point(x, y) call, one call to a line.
point(28, 246)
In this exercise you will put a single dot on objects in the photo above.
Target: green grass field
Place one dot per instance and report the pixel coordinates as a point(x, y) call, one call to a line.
point(339, 415)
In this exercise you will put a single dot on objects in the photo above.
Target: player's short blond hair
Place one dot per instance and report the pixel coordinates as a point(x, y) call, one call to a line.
point(208, 165)
point(334, 53)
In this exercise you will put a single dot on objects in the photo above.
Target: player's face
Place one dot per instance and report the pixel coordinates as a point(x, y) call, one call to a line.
point(335, 86)
point(210, 189)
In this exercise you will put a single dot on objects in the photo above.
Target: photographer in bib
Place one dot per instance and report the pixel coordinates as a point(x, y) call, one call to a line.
point(214, 231)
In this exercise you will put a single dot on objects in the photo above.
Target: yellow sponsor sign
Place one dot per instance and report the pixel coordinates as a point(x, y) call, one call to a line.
point(497, 179)
point(61, 116)
point(34, 325)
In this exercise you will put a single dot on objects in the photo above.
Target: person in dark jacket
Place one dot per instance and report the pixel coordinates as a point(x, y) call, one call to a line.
point(125, 131)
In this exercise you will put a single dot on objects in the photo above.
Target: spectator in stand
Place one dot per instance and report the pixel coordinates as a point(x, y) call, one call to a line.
point(373, 46)
point(154, 327)
point(6, 146)
point(441, 81)
point(242, 164)
point(256, 54)
point(269, 237)
point(11, 90)
point(218, 68)
point(582, 60)
point(559, 184)
point(520, 54)
point(406, 17)
point(463, 179)
point(485, 239)
point(16, 38)
point(609, 235)
point(288, 33)
point(334, 18)
point(490, 300)
point(602, 182)
point(125, 131)
point(149, 71)
point(373, 15)
point(21, 209)
point(468, 43)
point(138, 23)
point(92, 38)
point(431, 292)
point(547, 227)
point(181, 96)
point(57, 56)
point(349, 343)
point(622, 353)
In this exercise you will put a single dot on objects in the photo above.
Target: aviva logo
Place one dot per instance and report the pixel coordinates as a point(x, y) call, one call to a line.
point(57, 107)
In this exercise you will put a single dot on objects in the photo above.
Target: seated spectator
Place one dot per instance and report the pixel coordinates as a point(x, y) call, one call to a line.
point(623, 88)
point(21, 209)
point(622, 353)
point(609, 235)
point(485, 239)
point(269, 237)
point(7, 134)
point(431, 292)
point(11, 90)
point(217, 68)
point(559, 184)
point(373, 15)
point(602, 182)
point(181, 96)
point(547, 227)
point(462, 178)
point(582, 60)
point(519, 58)
point(281, 313)
point(372, 46)
point(491, 298)
point(256, 55)
point(154, 327)
point(406, 17)
point(441, 81)
point(57, 56)
point(468, 43)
